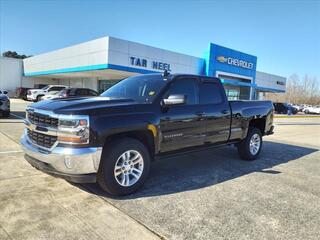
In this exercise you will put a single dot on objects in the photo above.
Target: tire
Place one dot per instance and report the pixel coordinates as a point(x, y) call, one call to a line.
point(114, 154)
point(244, 151)
point(39, 98)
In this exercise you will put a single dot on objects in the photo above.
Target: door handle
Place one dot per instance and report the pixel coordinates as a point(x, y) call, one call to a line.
point(225, 111)
point(200, 114)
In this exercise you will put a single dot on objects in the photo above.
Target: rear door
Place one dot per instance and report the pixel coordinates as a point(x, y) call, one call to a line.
point(215, 110)
point(180, 125)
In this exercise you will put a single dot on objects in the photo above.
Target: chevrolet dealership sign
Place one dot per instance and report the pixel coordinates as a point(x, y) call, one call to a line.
point(235, 62)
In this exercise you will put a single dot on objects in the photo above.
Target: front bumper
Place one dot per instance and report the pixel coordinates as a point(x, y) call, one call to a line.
point(72, 164)
point(4, 106)
point(31, 97)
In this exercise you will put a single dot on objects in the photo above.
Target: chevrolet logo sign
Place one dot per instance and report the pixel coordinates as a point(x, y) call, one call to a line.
point(235, 62)
point(222, 59)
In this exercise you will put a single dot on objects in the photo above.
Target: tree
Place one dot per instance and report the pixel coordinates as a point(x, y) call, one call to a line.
point(305, 91)
point(13, 54)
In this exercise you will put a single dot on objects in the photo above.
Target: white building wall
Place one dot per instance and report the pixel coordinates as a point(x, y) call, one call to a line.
point(268, 80)
point(91, 83)
point(90, 53)
point(29, 82)
point(10, 74)
point(120, 51)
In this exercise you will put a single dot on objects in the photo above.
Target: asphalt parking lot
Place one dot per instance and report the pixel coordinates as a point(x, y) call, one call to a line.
point(205, 195)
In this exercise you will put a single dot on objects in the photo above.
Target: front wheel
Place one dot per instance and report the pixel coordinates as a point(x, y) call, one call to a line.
point(124, 166)
point(250, 147)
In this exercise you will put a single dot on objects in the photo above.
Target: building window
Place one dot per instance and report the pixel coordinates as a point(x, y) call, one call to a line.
point(106, 84)
point(232, 94)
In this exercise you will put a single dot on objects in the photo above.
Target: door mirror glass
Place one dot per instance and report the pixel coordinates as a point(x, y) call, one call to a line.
point(175, 99)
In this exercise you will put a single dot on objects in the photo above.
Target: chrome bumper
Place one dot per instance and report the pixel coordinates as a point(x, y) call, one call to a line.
point(68, 163)
point(31, 98)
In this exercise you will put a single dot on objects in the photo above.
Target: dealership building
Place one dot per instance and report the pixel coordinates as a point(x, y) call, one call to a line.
point(100, 63)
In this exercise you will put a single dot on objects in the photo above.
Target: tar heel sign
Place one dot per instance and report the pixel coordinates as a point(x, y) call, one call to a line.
point(141, 62)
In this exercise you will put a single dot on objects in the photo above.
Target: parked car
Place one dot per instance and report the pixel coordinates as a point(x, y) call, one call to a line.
point(36, 94)
point(312, 110)
point(21, 92)
point(71, 92)
point(78, 92)
point(284, 108)
point(298, 107)
point(51, 95)
point(113, 138)
point(4, 104)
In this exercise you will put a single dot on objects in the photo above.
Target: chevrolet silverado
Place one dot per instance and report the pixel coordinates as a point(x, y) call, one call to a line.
point(112, 139)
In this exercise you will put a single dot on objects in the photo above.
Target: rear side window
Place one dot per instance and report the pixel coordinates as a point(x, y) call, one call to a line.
point(184, 86)
point(82, 92)
point(209, 93)
point(56, 88)
point(72, 92)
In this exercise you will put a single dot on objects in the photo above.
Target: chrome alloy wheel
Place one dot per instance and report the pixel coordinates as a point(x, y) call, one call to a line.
point(128, 168)
point(255, 143)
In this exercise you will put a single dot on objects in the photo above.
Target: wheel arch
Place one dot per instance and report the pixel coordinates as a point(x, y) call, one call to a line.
point(145, 136)
point(259, 123)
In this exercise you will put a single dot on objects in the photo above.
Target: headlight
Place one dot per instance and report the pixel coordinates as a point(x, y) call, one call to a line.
point(73, 130)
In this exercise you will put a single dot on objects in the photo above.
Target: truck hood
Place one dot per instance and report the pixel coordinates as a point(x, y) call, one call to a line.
point(83, 105)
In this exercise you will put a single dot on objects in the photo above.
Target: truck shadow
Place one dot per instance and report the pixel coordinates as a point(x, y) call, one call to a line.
point(207, 168)
point(17, 115)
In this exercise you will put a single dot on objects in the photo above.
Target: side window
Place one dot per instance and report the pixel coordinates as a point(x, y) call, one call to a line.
point(186, 87)
point(56, 89)
point(209, 93)
point(93, 93)
point(72, 92)
point(82, 92)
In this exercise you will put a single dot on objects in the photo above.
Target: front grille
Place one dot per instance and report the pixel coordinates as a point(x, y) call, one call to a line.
point(42, 120)
point(42, 140)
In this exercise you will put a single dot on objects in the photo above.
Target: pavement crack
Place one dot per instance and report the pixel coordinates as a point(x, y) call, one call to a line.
point(5, 231)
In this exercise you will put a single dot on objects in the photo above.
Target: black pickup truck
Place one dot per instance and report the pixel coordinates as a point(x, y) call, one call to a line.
point(112, 139)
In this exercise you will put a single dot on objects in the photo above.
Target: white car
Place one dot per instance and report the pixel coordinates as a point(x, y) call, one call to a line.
point(51, 95)
point(312, 109)
point(36, 94)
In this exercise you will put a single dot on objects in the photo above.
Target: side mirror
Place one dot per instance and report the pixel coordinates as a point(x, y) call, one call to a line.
point(175, 99)
point(5, 92)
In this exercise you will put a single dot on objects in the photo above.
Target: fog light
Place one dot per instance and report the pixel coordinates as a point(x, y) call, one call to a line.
point(68, 162)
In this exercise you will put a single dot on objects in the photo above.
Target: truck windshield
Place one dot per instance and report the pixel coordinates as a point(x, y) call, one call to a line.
point(142, 88)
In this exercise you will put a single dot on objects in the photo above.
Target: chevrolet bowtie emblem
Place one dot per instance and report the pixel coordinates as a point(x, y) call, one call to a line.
point(222, 59)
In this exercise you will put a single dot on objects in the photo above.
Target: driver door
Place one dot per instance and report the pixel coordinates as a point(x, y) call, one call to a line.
point(182, 125)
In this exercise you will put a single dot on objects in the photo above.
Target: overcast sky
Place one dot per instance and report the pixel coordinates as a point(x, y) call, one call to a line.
point(284, 35)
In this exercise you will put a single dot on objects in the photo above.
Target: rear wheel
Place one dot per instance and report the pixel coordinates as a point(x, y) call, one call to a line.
point(39, 98)
point(124, 166)
point(250, 147)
